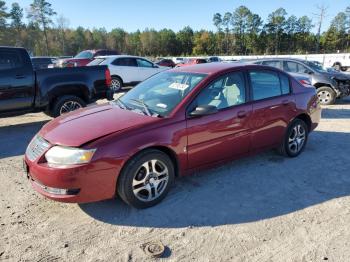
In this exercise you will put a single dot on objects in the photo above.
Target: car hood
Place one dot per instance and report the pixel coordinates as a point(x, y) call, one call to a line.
point(84, 125)
point(337, 75)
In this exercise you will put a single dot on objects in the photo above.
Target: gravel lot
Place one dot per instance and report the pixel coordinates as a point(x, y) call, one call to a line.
point(264, 208)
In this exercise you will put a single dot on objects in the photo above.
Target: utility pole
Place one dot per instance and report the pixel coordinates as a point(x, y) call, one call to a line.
point(320, 17)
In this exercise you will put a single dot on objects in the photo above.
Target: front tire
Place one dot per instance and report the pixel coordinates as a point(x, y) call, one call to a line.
point(146, 179)
point(295, 139)
point(326, 95)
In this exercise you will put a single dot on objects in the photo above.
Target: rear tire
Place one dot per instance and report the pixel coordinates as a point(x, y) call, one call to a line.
point(295, 139)
point(146, 179)
point(116, 84)
point(66, 104)
point(326, 95)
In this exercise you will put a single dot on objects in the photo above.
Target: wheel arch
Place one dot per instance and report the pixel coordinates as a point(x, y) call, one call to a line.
point(306, 118)
point(118, 76)
point(164, 149)
point(80, 91)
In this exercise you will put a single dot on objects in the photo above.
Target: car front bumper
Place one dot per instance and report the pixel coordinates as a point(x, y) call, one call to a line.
point(75, 184)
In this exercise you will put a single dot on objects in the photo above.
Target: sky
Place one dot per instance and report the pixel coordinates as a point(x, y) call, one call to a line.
point(132, 15)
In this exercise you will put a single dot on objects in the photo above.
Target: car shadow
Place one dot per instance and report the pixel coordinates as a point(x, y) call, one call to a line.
point(251, 189)
point(14, 139)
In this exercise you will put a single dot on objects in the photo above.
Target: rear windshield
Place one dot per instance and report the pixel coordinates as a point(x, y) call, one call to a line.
point(84, 54)
point(96, 61)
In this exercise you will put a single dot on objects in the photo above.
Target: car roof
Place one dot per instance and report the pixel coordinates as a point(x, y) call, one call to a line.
point(119, 56)
point(209, 68)
point(279, 58)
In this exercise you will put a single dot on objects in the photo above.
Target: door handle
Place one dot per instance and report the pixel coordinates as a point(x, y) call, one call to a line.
point(241, 114)
point(20, 76)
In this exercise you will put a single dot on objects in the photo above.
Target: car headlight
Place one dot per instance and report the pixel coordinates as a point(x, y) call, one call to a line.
point(59, 155)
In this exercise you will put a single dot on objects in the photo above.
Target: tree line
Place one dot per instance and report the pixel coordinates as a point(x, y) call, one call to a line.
point(240, 32)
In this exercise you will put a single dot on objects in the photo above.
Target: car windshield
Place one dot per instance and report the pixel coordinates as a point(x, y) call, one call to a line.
point(84, 54)
point(316, 66)
point(96, 61)
point(160, 94)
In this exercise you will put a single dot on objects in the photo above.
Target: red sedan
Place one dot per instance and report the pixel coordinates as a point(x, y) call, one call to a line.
point(175, 122)
point(192, 61)
point(85, 57)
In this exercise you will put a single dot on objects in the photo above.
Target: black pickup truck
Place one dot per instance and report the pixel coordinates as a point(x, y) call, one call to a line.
point(54, 91)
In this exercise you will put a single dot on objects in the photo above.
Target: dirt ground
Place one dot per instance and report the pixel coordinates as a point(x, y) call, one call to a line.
point(263, 208)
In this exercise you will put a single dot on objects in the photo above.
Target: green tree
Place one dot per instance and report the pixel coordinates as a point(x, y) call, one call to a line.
point(240, 20)
point(16, 16)
point(226, 22)
point(185, 39)
point(41, 12)
point(253, 30)
point(62, 26)
point(3, 16)
point(276, 26)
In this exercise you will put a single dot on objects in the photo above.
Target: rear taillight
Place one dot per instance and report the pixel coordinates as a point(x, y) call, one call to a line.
point(108, 77)
point(305, 82)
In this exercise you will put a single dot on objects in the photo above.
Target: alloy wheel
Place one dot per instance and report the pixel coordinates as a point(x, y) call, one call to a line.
point(296, 139)
point(69, 106)
point(115, 85)
point(150, 180)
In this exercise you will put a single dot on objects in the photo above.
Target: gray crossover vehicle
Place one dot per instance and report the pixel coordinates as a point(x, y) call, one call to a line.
point(329, 84)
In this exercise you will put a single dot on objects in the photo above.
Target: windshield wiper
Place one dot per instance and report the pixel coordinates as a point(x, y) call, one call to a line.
point(122, 104)
point(144, 105)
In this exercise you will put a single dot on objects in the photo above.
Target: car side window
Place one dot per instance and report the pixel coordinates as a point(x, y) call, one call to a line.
point(285, 86)
point(126, 61)
point(291, 67)
point(143, 63)
point(10, 60)
point(294, 67)
point(302, 69)
point(264, 84)
point(224, 92)
point(272, 63)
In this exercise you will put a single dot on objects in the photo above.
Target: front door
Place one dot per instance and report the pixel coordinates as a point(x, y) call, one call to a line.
point(17, 85)
point(225, 134)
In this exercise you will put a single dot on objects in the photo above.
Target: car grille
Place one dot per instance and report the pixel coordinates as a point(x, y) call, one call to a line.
point(36, 148)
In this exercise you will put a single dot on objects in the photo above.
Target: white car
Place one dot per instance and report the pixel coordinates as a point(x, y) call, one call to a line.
point(127, 70)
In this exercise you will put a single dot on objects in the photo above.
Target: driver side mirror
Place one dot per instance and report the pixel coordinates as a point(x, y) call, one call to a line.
point(204, 110)
point(155, 66)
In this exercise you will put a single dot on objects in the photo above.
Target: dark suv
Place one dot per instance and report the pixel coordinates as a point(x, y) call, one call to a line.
point(329, 84)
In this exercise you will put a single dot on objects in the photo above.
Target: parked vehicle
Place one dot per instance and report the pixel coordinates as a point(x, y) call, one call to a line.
point(170, 125)
point(128, 70)
point(329, 85)
point(193, 61)
point(178, 60)
point(43, 62)
point(213, 59)
point(166, 62)
point(55, 91)
point(85, 57)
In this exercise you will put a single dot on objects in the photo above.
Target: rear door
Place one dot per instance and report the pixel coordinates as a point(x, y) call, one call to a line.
point(225, 134)
point(126, 68)
point(273, 107)
point(17, 82)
